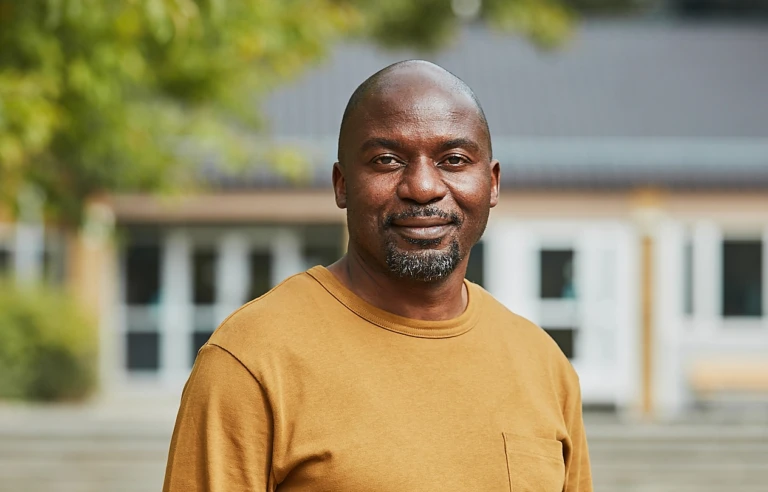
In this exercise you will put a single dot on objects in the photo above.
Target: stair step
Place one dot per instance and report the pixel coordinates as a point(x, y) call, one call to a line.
point(72, 451)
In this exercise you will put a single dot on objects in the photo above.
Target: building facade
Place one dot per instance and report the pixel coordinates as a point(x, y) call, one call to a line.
point(649, 292)
point(632, 226)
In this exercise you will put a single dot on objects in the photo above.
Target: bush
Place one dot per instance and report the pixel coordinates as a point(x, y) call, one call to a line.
point(48, 346)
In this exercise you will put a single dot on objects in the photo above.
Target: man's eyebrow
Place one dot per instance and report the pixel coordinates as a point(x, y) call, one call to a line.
point(460, 142)
point(381, 142)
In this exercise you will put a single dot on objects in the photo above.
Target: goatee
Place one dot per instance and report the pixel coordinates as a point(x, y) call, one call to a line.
point(425, 266)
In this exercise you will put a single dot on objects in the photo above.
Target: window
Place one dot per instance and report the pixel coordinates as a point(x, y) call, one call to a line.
point(322, 244)
point(53, 262)
point(5, 261)
point(320, 255)
point(742, 278)
point(204, 276)
point(475, 265)
point(557, 291)
point(143, 351)
point(142, 272)
point(142, 293)
point(564, 337)
point(204, 266)
point(204, 324)
point(556, 274)
point(260, 274)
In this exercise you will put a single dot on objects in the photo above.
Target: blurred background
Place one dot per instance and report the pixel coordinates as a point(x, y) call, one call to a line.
point(164, 161)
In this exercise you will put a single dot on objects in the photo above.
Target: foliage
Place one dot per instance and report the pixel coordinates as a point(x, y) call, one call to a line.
point(103, 95)
point(47, 346)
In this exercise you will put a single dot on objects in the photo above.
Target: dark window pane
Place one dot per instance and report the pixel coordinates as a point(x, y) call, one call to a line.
point(564, 339)
point(198, 340)
point(321, 255)
point(142, 274)
point(204, 276)
point(688, 281)
point(742, 278)
point(556, 275)
point(143, 351)
point(321, 244)
point(261, 274)
point(475, 265)
point(49, 263)
point(53, 266)
point(5, 262)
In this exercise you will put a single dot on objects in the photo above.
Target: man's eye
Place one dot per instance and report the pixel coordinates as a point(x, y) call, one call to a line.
point(386, 160)
point(454, 160)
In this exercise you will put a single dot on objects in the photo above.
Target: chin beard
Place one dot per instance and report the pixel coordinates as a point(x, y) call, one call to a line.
point(426, 265)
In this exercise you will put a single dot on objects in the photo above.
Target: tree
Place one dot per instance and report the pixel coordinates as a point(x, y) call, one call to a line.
point(104, 95)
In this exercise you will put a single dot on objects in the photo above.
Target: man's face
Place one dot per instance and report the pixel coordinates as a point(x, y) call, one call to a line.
point(417, 179)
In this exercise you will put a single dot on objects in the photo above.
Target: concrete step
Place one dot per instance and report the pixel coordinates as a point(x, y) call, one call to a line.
point(84, 450)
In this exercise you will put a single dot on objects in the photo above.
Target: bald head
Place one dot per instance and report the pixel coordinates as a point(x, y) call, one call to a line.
point(409, 78)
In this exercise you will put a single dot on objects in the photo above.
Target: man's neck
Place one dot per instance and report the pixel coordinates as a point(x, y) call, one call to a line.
point(438, 300)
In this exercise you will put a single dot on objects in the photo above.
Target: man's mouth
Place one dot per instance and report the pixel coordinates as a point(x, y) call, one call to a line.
point(422, 228)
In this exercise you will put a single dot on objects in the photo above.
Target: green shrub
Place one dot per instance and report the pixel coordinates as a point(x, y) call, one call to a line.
point(48, 346)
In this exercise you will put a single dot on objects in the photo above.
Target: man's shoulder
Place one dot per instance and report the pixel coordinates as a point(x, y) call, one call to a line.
point(507, 320)
point(524, 335)
point(279, 314)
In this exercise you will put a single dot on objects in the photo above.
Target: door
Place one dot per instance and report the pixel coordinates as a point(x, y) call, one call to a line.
point(575, 280)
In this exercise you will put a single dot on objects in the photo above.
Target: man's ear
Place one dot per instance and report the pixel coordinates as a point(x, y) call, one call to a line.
point(339, 185)
point(495, 182)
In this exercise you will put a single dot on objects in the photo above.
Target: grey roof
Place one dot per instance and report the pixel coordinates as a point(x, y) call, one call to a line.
point(622, 105)
point(620, 79)
point(573, 163)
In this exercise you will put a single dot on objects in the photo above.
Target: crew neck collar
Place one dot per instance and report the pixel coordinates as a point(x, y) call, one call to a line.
point(400, 324)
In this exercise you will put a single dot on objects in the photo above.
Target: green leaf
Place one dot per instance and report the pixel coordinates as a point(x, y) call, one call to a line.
point(103, 96)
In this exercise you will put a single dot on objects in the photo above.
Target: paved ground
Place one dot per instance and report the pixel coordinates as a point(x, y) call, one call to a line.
point(122, 448)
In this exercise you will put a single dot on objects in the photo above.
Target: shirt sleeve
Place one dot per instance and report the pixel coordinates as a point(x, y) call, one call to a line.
point(578, 475)
point(222, 440)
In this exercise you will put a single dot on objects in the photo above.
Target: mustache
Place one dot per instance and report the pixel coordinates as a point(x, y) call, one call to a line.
point(429, 211)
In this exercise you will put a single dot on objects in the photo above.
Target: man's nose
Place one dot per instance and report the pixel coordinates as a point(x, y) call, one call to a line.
point(422, 182)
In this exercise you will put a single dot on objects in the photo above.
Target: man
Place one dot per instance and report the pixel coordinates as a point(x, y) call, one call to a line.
point(388, 371)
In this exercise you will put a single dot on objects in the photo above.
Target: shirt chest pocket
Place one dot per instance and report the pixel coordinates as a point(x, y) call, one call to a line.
point(534, 464)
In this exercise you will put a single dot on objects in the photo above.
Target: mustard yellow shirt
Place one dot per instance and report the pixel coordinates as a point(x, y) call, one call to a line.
point(309, 388)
